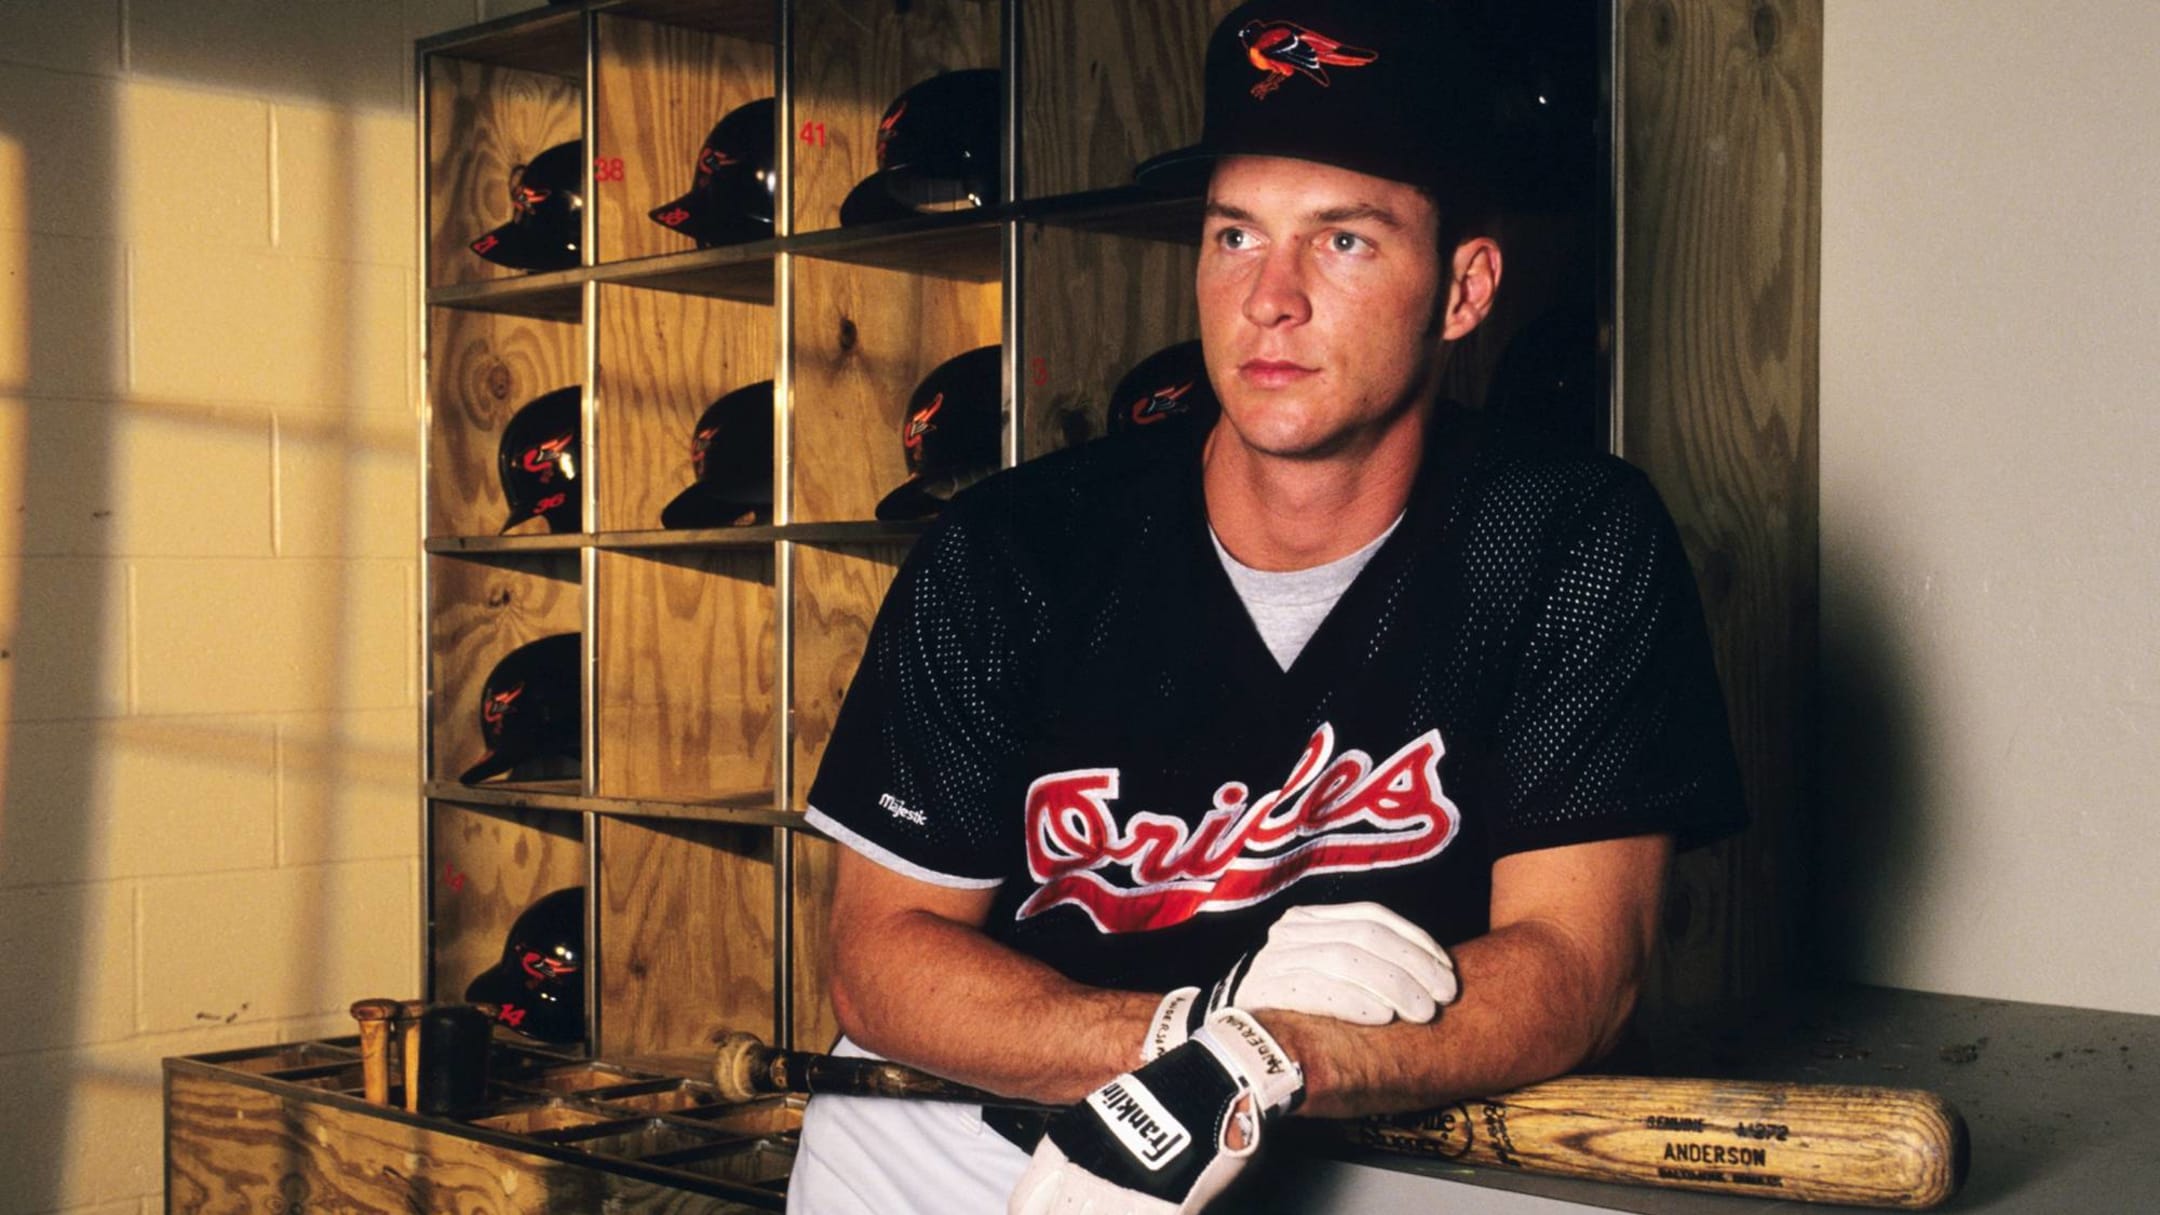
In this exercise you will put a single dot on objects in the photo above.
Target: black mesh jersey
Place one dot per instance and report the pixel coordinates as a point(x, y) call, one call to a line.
point(1064, 699)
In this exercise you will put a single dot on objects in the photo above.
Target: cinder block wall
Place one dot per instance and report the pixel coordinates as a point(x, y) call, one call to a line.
point(208, 481)
point(1991, 678)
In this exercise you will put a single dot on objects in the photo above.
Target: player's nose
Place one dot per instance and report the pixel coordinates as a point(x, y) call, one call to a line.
point(1277, 295)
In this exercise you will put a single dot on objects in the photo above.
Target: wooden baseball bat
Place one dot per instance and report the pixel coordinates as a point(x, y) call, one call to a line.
point(409, 1048)
point(1876, 1147)
point(375, 1017)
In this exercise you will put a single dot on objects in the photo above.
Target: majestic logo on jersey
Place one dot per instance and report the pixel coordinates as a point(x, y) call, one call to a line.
point(1281, 49)
point(1336, 814)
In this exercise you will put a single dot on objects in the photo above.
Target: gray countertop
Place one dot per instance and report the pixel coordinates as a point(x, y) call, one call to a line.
point(2063, 1106)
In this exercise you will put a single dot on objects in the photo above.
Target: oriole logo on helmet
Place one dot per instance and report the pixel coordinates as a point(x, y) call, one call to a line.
point(919, 424)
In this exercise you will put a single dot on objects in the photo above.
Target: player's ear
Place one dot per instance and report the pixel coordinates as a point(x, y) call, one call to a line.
point(1472, 286)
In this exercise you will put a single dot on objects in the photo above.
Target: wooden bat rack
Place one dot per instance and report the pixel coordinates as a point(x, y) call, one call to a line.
point(288, 1123)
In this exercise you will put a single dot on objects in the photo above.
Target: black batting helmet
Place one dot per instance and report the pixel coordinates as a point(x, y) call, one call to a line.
point(937, 150)
point(538, 460)
point(539, 986)
point(531, 716)
point(731, 454)
point(950, 433)
point(731, 200)
point(1168, 390)
point(546, 197)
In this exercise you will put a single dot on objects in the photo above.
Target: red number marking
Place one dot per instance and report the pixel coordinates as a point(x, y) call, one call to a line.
point(1038, 371)
point(452, 878)
point(608, 168)
point(813, 133)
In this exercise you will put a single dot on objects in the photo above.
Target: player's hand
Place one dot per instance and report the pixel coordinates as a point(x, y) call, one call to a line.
point(1167, 1138)
point(1355, 962)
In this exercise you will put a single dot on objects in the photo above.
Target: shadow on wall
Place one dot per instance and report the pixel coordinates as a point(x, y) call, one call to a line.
point(58, 609)
point(1871, 837)
point(84, 412)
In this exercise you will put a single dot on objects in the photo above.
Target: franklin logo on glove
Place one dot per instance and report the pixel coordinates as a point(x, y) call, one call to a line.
point(1135, 1117)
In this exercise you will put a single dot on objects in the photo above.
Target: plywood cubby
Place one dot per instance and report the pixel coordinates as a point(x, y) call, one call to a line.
point(686, 930)
point(686, 675)
point(1104, 86)
point(816, 866)
point(1093, 304)
point(851, 60)
point(865, 337)
point(659, 90)
point(482, 368)
point(487, 864)
point(663, 357)
point(837, 592)
point(480, 609)
point(484, 119)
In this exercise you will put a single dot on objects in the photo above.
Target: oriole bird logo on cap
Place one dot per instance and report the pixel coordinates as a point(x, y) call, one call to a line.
point(1281, 48)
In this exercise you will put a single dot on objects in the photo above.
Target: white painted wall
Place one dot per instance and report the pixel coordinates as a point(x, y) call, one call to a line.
point(208, 823)
point(1991, 497)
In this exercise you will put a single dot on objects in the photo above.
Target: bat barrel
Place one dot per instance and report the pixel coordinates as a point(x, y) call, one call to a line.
point(1876, 1147)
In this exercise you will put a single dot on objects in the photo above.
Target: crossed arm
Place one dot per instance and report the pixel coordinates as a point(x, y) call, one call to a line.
point(1548, 988)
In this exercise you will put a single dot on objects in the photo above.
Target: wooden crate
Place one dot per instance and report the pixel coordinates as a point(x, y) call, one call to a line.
point(284, 1127)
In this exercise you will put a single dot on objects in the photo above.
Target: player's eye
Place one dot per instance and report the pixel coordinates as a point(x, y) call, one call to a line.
point(1348, 242)
point(1233, 238)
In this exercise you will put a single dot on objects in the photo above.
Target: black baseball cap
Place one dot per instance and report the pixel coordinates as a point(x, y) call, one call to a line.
point(1399, 89)
point(950, 433)
point(530, 714)
point(545, 201)
point(731, 454)
point(937, 148)
point(538, 988)
point(538, 460)
point(1166, 391)
point(731, 198)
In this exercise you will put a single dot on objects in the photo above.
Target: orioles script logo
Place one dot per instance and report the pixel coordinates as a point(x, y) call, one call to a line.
point(1336, 814)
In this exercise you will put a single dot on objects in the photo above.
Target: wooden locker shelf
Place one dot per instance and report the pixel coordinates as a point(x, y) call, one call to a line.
point(861, 532)
point(731, 272)
point(556, 295)
point(749, 810)
point(484, 545)
point(966, 245)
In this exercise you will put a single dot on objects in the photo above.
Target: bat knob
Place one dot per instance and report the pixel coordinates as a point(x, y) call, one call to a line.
point(374, 1010)
point(738, 1059)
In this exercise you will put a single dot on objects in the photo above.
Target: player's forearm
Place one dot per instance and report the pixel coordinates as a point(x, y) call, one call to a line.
point(1533, 1006)
point(942, 996)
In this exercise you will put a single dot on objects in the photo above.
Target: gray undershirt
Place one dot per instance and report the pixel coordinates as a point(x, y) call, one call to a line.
point(1287, 606)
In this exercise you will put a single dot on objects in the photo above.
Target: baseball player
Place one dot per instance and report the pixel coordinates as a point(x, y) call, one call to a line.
point(1325, 761)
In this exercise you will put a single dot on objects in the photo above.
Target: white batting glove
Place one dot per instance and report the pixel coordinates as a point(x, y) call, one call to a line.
point(1158, 1140)
point(1355, 962)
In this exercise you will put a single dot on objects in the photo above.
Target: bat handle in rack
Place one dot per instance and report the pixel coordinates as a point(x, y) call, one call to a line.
point(745, 1068)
